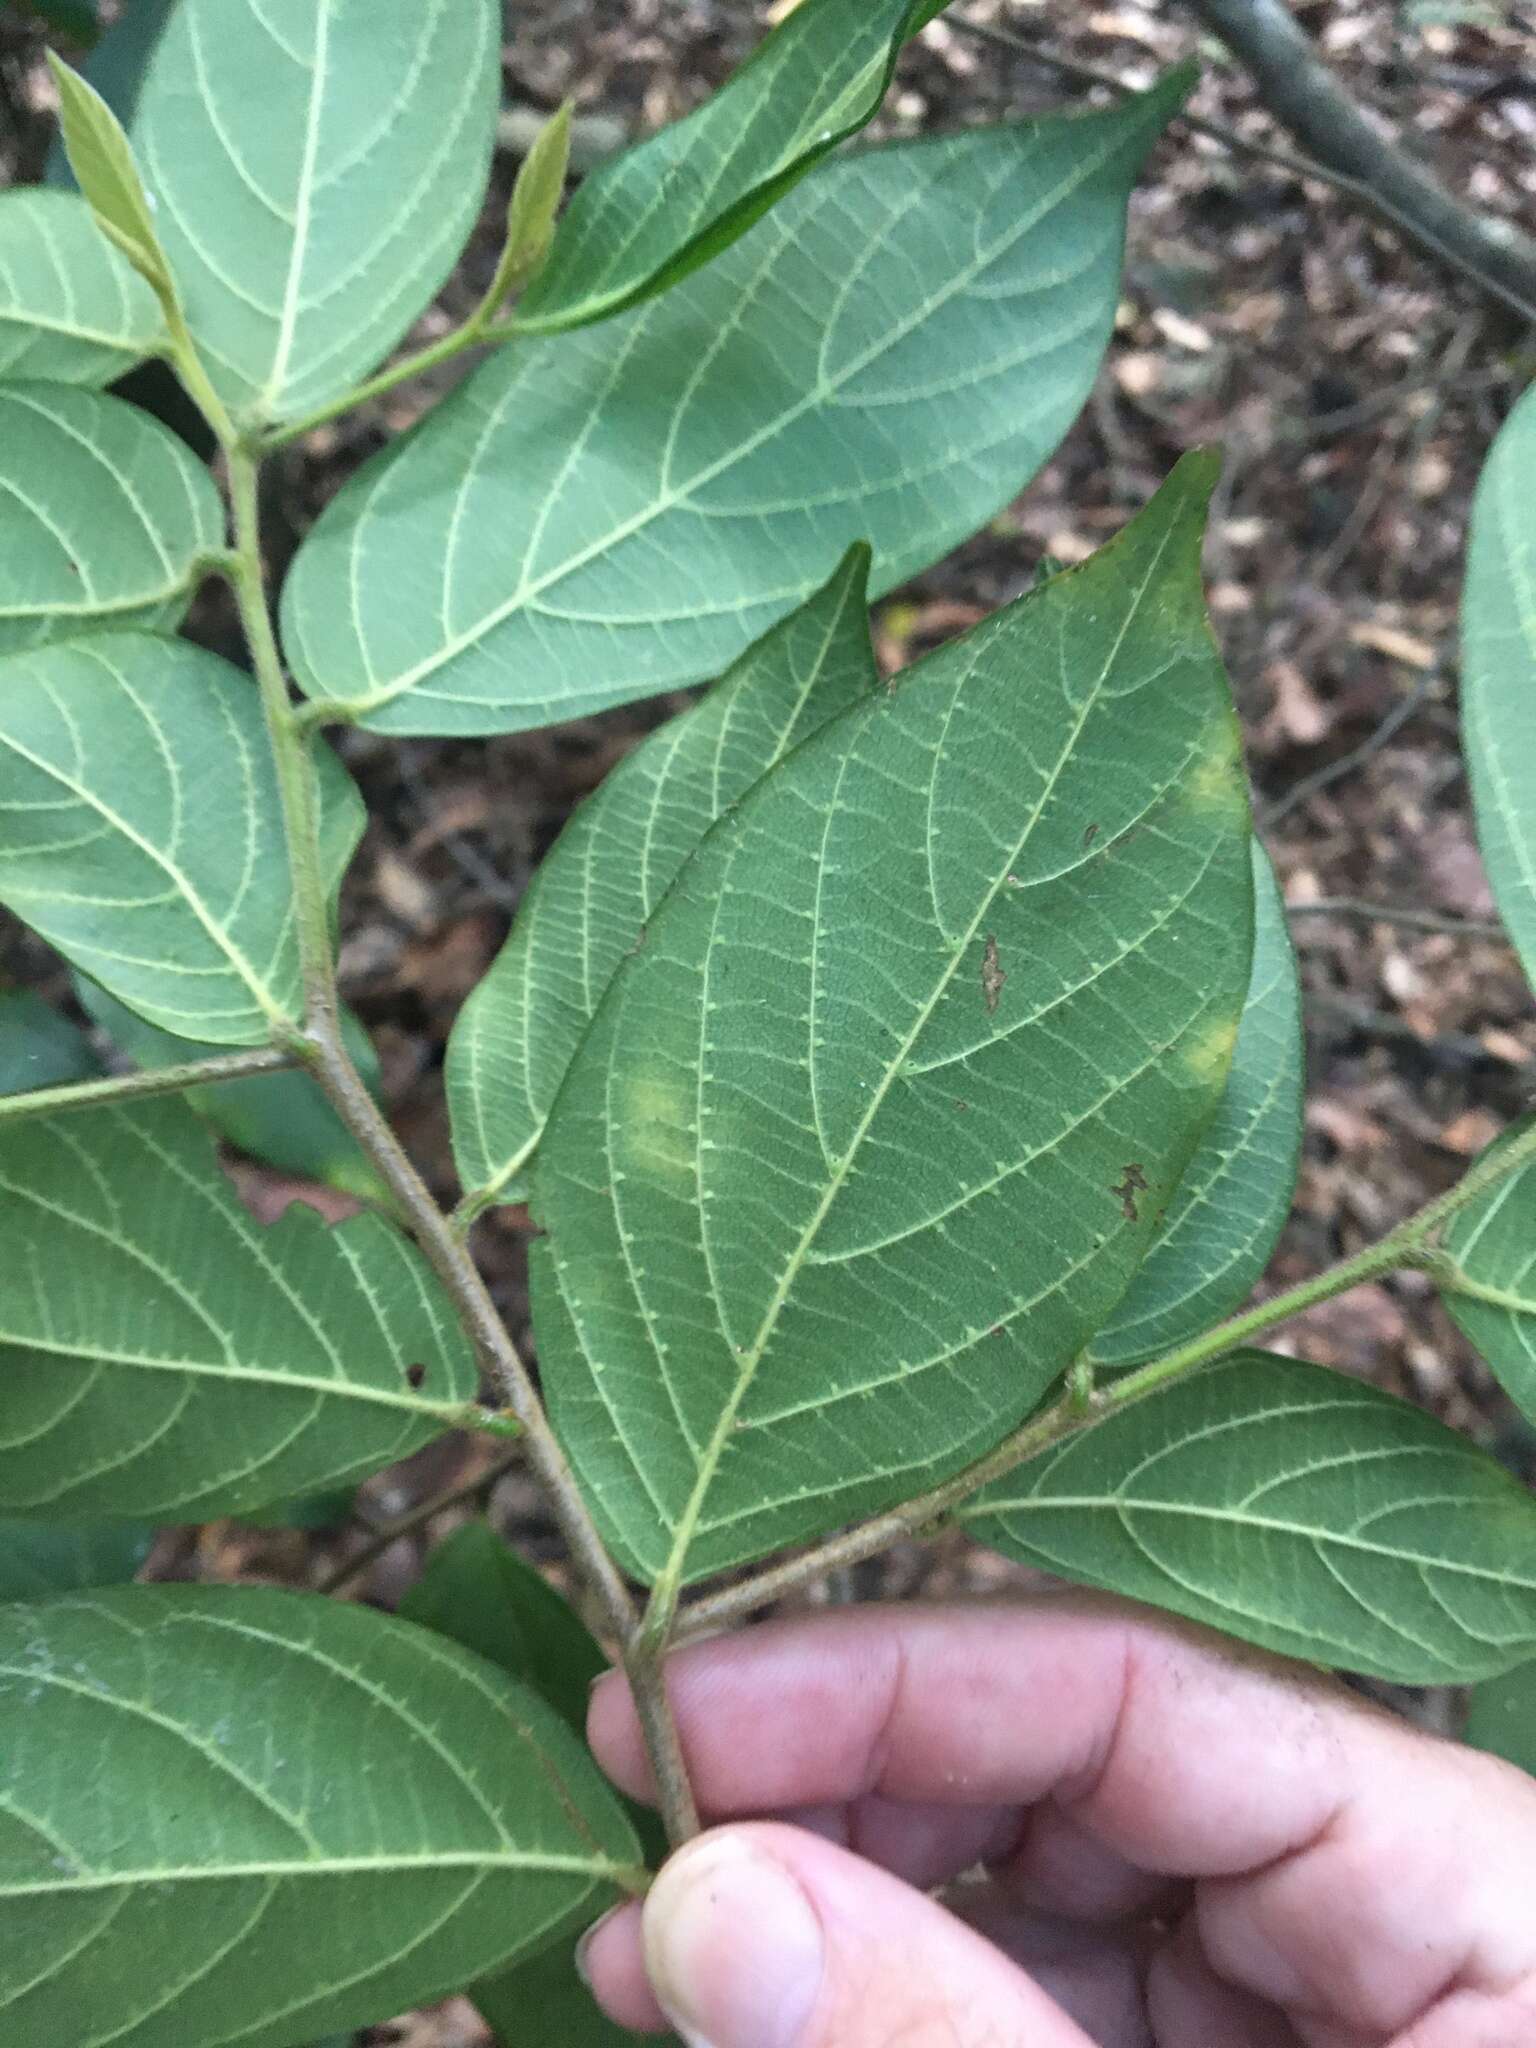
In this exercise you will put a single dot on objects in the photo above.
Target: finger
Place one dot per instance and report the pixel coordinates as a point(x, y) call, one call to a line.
point(1095, 1977)
point(765, 1937)
point(1064, 1868)
point(1475, 2019)
point(1188, 2002)
point(1421, 1883)
point(1387, 1877)
point(1094, 1974)
point(1046, 1861)
point(924, 1844)
point(612, 1962)
point(1181, 1756)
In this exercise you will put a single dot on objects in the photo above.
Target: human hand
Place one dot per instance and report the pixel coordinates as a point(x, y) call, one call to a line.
point(1186, 1845)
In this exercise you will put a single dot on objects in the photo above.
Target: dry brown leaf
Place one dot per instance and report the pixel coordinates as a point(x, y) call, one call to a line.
point(1470, 1132)
point(1299, 711)
point(1182, 332)
point(1138, 371)
point(404, 893)
point(1504, 1045)
point(1348, 1128)
point(1393, 641)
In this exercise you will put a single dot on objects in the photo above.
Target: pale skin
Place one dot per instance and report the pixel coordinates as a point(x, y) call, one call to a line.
point(1185, 1846)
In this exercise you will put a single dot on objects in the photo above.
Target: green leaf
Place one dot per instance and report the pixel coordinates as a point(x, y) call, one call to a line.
point(536, 195)
point(1488, 1280)
point(38, 1047)
point(587, 906)
point(1223, 1223)
point(298, 1815)
point(310, 1511)
point(317, 170)
point(544, 2001)
point(871, 1134)
point(141, 830)
point(1292, 1507)
point(71, 307)
point(37, 1559)
point(596, 517)
point(116, 68)
point(109, 518)
point(103, 163)
point(283, 1120)
point(1498, 682)
point(167, 1358)
point(1502, 1717)
point(477, 1589)
point(649, 217)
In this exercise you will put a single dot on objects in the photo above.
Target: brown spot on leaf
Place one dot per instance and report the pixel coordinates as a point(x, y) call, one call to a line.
point(1134, 1184)
point(415, 1374)
point(992, 975)
point(1090, 835)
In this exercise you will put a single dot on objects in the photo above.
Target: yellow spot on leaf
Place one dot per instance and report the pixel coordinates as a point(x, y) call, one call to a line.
point(1208, 1054)
point(1216, 781)
point(656, 1113)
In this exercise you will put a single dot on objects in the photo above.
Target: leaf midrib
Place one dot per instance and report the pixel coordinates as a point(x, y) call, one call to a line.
point(1464, 1285)
point(721, 706)
point(45, 323)
point(350, 1390)
point(614, 299)
point(91, 801)
point(671, 1574)
point(105, 607)
point(303, 208)
point(815, 395)
point(466, 1859)
point(1108, 1502)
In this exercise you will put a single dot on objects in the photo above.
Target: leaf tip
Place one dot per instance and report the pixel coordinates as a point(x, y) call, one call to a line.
point(1196, 473)
point(857, 565)
point(1172, 90)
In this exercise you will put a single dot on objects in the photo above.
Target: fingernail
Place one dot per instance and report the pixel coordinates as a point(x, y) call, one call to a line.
point(733, 1947)
point(586, 1941)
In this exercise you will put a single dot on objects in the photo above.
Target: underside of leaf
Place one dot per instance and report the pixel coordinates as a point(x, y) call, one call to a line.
point(870, 1134)
point(1295, 1508)
point(889, 355)
point(587, 906)
point(164, 1357)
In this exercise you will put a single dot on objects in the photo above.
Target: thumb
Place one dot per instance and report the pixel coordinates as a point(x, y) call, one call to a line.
point(767, 1937)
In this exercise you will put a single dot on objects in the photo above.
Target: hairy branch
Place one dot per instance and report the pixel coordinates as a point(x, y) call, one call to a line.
point(462, 1282)
point(324, 1051)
